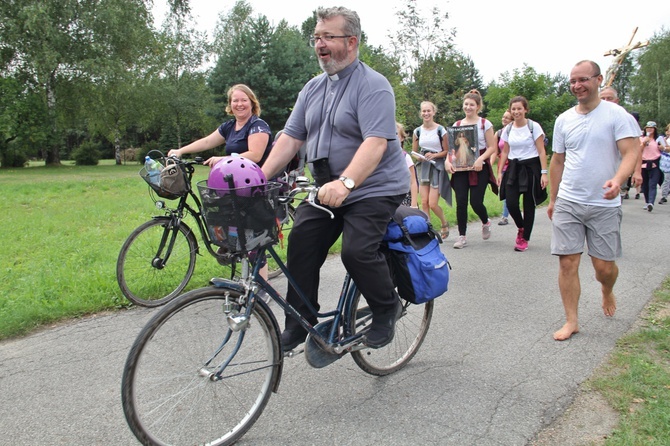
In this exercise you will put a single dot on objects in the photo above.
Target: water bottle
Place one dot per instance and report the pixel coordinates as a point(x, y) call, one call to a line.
point(153, 168)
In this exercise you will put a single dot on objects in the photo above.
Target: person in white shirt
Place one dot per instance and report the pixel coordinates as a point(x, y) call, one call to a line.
point(526, 173)
point(596, 148)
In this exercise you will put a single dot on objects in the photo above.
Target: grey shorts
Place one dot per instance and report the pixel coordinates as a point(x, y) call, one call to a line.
point(429, 175)
point(599, 226)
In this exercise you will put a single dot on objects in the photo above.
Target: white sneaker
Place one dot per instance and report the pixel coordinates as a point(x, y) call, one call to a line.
point(461, 242)
point(486, 230)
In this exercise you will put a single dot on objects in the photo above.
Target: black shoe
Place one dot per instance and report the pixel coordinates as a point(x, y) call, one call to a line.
point(637, 196)
point(663, 200)
point(625, 197)
point(290, 339)
point(382, 327)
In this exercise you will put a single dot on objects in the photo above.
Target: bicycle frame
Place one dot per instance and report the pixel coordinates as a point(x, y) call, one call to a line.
point(176, 216)
point(330, 342)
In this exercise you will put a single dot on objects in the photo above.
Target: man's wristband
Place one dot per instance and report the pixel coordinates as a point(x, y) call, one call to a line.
point(543, 171)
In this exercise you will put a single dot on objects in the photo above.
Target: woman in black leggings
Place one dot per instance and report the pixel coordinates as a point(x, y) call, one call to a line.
point(473, 182)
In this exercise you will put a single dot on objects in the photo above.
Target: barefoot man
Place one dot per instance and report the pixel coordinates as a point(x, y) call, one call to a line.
point(596, 145)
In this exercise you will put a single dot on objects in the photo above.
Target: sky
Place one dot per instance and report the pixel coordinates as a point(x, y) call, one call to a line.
point(550, 35)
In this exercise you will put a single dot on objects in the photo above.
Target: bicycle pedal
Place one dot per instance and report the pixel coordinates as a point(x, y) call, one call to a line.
point(294, 352)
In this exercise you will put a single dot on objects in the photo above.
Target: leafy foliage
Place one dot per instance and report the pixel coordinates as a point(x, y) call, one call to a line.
point(547, 96)
point(651, 85)
point(275, 62)
point(57, 43)
point(87, 154)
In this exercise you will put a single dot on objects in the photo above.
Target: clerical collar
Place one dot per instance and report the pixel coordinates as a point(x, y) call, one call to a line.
point(344, 72)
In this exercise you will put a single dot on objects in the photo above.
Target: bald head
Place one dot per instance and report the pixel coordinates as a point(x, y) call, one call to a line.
point(609, 94)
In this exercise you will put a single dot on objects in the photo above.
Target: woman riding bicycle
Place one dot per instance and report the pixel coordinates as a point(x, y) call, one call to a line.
point(246, 134)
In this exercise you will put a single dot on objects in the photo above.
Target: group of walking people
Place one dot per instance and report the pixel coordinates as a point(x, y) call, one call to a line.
point(521, 169)
point(650, 171)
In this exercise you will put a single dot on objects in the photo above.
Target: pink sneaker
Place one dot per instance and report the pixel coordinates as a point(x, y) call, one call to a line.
point(519, 236)
point(521, 245)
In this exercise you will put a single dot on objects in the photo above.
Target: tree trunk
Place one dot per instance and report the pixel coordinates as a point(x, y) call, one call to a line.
point(117, 149)
point(52, 156)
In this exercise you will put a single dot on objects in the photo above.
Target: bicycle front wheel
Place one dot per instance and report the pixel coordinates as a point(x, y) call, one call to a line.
point(151, 278)
point(410, 331)
point(184, 382)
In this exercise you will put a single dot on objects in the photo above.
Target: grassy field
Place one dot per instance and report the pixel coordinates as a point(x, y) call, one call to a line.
point(62, 231)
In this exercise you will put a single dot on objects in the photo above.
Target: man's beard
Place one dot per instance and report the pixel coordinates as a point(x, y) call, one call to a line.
point(333, 66)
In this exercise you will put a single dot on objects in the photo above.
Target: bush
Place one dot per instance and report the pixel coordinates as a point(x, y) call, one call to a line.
point(87, 154)
point(129, 154)
point(148, 146)
point(13, 158)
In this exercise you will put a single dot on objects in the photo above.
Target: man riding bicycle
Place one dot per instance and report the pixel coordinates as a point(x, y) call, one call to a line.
point(346, 116)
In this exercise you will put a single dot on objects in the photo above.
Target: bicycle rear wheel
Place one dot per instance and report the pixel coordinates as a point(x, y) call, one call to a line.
point(167, 392)
point(410, 331)
point(144, 275)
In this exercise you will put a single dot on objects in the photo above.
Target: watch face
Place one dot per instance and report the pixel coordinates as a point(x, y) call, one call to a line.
point(349, 183)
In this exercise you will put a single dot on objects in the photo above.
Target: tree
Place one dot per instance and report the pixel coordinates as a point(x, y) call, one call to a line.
point(547, 96)
point(651, 85)
point(21, 122)
point(184, 94)
point(275, 62)
point(443, 79)
point(419, 38)
point(55, 43)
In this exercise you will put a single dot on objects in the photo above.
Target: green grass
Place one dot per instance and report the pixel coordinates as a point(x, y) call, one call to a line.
point(636, 379)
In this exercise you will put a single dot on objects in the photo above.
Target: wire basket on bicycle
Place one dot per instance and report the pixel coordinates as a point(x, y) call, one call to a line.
point(241, 219)
point(167, 178)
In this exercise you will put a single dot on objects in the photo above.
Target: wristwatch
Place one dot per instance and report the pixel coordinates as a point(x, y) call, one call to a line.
point(348, 182)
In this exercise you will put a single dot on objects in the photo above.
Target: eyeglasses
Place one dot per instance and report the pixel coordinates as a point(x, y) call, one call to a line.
point(326, 38)
point(582, 80)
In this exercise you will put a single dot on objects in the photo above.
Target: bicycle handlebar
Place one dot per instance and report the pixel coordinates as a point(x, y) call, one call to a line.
point(312, 190)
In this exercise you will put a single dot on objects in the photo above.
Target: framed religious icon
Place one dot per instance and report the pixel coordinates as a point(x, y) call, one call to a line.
point(462, 146)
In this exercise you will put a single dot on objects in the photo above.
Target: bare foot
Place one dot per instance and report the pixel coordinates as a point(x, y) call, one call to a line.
point(609, 305)
point(566, 331)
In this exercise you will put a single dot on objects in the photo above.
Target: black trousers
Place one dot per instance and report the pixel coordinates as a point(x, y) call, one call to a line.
point(461, 184)
point(525, 220)
point(362, 225)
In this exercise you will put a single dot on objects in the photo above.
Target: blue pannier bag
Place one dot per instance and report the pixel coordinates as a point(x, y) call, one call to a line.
point(420, 271)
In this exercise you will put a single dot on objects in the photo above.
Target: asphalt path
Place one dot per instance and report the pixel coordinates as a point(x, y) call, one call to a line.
point(489, 372)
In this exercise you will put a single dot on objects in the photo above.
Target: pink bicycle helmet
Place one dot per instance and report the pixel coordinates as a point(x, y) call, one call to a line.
point(246, 175)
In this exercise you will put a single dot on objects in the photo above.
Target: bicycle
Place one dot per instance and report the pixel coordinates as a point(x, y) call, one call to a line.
point(203, 368)
point(157, 260)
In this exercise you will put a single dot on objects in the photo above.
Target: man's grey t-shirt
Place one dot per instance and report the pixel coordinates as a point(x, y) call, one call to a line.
point(334, 114)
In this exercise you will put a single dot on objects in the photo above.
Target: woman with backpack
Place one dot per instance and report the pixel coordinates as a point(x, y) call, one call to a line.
point(526, 173)
point(473, 182)
point(430, 142)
